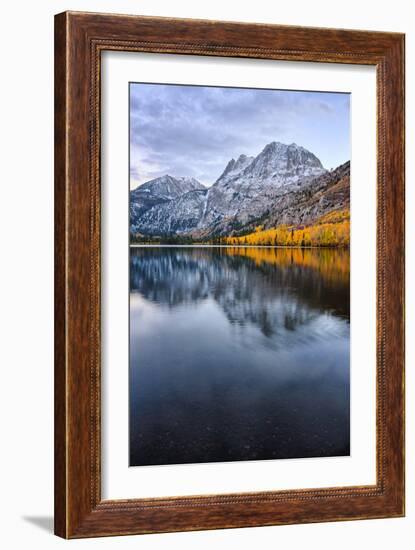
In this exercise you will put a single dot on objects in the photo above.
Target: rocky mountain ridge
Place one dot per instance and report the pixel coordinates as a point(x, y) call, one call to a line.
point(281, 183)
point(159, 191)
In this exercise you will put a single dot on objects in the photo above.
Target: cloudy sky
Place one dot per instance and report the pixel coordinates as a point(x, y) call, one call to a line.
point(195, 130)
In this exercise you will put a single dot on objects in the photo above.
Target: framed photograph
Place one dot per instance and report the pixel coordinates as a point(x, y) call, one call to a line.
point(229, 276)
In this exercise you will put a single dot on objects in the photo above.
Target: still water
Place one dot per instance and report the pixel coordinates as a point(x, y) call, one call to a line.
point(238, 353)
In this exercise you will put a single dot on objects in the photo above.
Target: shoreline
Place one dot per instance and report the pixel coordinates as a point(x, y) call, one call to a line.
point(196, 245)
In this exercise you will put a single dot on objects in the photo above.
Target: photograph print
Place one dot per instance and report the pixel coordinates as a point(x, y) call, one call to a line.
point(239, 229)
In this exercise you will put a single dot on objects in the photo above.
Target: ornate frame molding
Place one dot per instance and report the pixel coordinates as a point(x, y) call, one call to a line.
point(79, 40)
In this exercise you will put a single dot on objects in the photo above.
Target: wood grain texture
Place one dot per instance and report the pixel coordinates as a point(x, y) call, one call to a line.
point(79, 40)
point(60, 277)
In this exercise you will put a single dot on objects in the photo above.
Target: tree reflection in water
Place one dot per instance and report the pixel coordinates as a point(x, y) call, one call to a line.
point(238, 344)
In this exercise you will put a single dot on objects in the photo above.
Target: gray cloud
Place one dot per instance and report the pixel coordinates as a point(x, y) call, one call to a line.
point(194, 130)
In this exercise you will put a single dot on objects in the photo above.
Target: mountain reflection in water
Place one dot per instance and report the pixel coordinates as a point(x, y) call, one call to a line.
point(238, 353)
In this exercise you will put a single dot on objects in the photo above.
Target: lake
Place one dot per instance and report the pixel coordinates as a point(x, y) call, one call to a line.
point(238, 353)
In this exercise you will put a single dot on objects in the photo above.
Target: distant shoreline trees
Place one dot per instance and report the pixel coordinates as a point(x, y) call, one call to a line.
point(330, 230)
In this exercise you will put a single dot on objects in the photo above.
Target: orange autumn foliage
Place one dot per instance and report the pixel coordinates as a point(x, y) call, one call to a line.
point(332, 229)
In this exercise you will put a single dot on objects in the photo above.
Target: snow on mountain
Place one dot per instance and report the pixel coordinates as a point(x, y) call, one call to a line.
point(248, 194)
point(303, 205)
point(159, 191)
point(175, 217)
point(284, 164)
point(167, 187)
point(243, 193)
point(234, 168)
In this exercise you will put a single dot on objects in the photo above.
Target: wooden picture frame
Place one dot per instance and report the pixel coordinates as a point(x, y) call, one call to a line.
point(79, 40)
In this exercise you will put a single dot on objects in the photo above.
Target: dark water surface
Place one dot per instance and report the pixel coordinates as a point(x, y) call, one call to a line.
point(238, 353)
